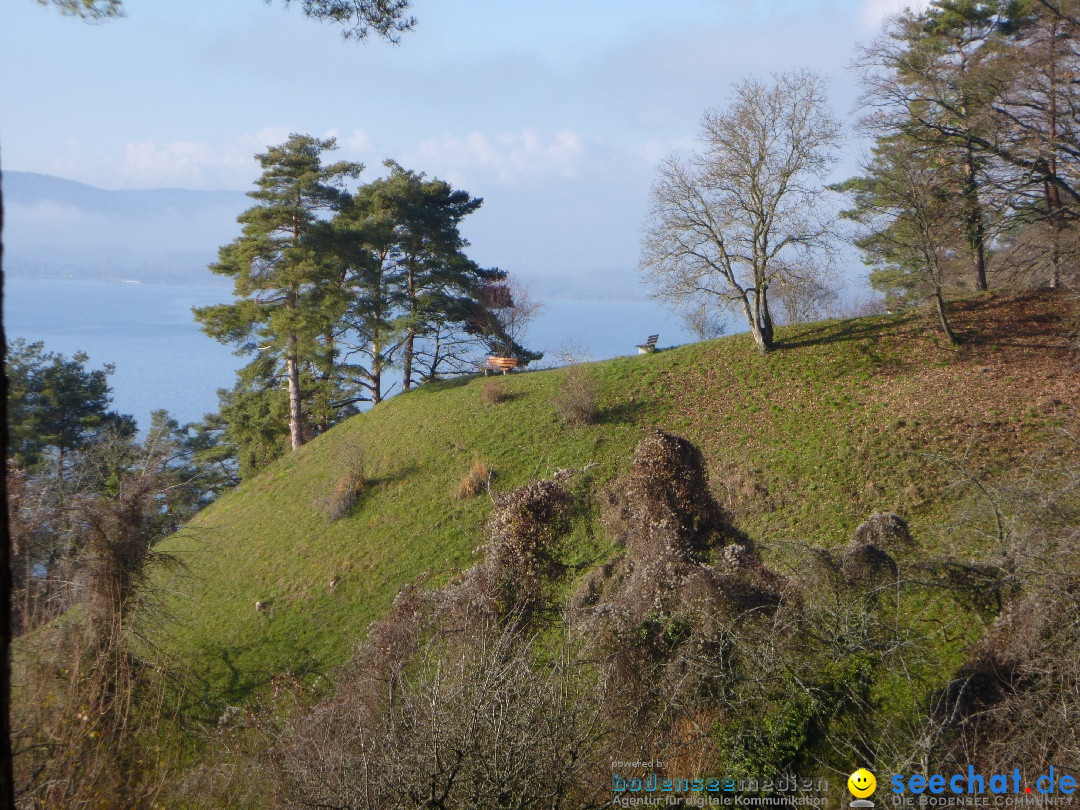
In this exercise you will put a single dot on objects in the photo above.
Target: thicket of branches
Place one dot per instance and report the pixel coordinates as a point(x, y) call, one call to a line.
point(684, 647)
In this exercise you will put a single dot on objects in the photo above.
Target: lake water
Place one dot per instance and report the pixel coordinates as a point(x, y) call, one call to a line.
point(163, 360)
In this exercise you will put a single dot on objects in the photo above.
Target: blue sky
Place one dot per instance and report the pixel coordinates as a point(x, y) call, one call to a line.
point(555, 112)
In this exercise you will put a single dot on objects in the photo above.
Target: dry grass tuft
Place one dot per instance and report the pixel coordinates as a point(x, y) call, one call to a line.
point(474, 482)
point(350, 488)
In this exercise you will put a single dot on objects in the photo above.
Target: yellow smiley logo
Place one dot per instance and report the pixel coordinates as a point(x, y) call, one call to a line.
point(861, 783)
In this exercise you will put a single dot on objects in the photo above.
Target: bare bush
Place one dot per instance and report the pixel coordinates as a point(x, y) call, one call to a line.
point(1013, 700)
point(478, 721)
point(88, 704)
point(494, 392)
point(869, 566)
point(664, 501)
point(520, 558)
point(572, 352)
point(576, 401)
point(665, 618)
point(476, 480)
point(886, 531)
point(84, 721)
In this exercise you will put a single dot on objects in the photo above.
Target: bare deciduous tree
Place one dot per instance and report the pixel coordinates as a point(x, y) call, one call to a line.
point(512, 307)
point(745, 211)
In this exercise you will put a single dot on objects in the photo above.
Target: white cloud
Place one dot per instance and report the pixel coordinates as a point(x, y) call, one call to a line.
point(188, 164)
point(875, 11)
point(359, 140)
point(655, 150)
point(202, 164)
point(508, 156)
point(271, 136)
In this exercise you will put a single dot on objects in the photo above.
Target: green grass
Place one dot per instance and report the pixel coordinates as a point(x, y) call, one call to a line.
point(844, 419)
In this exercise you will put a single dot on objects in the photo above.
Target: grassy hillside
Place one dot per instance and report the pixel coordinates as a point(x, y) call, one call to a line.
point(844, 419)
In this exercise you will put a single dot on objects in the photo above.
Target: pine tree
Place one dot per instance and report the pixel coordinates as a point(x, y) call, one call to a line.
point(369, 285)
point(440, 284)
point(933, 78)
point(280, 269)
point(913, 231)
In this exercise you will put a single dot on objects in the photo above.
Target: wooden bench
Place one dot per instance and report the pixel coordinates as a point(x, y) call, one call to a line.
point(503, 364)
point(649, 346)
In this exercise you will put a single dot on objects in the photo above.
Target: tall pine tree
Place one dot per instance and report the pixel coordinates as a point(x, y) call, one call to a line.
point(280, 268)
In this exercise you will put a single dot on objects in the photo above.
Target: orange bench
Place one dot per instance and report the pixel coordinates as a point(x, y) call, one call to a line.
point(503, 364)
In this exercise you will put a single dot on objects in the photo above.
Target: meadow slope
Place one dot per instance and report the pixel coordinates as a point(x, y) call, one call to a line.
point(846, 418)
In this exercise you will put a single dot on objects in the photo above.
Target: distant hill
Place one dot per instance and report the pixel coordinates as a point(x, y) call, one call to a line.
point(57, 228)
point(845, 419)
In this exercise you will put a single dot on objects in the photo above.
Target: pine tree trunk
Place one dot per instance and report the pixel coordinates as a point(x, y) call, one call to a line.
point(292, 366)
point(410, 335)
point(976, 227)
point(376, 373)
point(406, 380)
point(943, 319)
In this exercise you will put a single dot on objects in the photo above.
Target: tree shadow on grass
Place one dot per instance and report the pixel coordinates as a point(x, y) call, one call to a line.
point(434, 386)
point(622, 413)
point(242, 681)
point(358, 498)
point(843, 332)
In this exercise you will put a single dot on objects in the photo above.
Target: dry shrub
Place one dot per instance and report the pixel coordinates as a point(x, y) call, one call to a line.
point(346, 495)
point(664, 616)
point(664, 502)
point(576, 401)
point(476, 480)
point(446, 703)
point(741, 492)
point(114, 533)
point(1015, 700)
point(475, 721)
point(982, 587)
point(519, 555)
point(868, 567)
point(89, 709)
point(85, 717)
point(885, 531)
point(494, 392)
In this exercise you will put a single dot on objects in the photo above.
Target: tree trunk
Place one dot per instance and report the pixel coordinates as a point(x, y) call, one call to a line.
point(292, 366)
point(406, 379)
point(765, 317)
point(761, 340)
point(943, 319)
point(326, 418)
point(1054, 196)
point(376, 373)
point(410, 334)
point(976, 227)
point(975, 224)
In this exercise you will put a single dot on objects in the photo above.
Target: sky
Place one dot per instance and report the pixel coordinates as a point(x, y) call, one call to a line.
point(555, 112)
